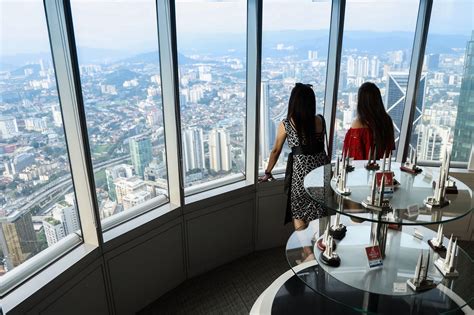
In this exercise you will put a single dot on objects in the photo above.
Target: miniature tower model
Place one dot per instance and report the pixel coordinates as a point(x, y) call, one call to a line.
point(372, 163)
point(439, 199)
point(450, 184)
point(446, 266)
point(386, 171)
point(324, 241)
point(410, 164)
point(436, 243)
point(337, 168)
point(342, 179)
point(328, 256)
point(379, 203)
point(349, 167)
point(420, 281)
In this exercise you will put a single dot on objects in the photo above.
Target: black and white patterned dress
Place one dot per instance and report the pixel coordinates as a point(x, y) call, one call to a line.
point(302, 206)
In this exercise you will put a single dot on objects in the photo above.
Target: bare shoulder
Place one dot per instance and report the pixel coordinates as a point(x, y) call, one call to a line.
point(319, 123)
point(358, 124)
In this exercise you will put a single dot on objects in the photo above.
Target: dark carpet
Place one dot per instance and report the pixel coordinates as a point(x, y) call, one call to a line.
point(232, 288)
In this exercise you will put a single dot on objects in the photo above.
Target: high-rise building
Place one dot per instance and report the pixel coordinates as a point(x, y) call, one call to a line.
point(351, 66)
point(125, 186)
point(36, 124)
point(17, 238)
point(464, 128)
point(219, 150)
point(395, 93)
point(374, 67)
point(135, 198)
point(193, 147)
point(267, 126)
point(140, 152)
point(432, 142)
point(433, 62)
point(67, 215)
point(114, 172)
point(8, 127)
point(57, 118)
point(53, 230)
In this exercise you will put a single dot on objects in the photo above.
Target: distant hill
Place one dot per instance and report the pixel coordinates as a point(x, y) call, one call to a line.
point(151, 57)
point(121, 75)
point(219, 44)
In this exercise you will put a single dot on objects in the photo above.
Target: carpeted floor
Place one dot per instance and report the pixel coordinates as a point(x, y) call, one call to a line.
point(232, 288)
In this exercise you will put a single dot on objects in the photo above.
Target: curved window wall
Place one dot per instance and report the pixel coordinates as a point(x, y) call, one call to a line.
point(120, 109)
point(37, 201)
point(120, 78)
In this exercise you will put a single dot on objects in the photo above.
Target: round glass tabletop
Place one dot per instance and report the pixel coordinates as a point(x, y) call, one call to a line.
point(357, 286)
point(407, 201)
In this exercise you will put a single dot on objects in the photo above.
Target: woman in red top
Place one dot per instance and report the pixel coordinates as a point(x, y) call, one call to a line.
point(373, 127)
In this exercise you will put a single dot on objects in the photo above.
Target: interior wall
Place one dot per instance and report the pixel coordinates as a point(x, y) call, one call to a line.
point(138, 267)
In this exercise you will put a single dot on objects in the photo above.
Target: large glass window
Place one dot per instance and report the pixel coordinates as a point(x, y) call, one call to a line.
point(447, 118)
point(211, 39)
point(117, 45)
point(294, 49)
point(377, 47)
point(37, 200)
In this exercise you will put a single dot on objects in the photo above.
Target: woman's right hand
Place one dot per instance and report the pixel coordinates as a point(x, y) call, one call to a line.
point(265, 178)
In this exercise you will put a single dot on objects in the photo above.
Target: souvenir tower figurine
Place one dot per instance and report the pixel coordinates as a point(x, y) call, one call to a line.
point(328, 256)
point(323, 241)
point(439, 199)
point(389, 186)
point(342, 179)
point(436, 243)
point(372, 162)
point(410, 164)
point(420, 281)
point(446, 266)
point(450, 184)
point(337, 168)
point(380, 203)
point(349, 167)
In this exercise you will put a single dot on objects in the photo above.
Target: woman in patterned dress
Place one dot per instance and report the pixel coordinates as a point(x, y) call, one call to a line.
point(373, 127)
point(305, 134)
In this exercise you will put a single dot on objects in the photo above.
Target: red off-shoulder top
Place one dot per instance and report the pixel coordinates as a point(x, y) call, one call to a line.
point(358, 142)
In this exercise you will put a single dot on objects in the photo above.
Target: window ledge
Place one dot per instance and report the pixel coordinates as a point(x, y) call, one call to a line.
point(140, 219)
point(216, 191)
point(127, 215)
point(20, 293)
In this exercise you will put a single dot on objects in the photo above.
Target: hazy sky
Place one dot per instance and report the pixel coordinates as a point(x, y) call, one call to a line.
point(129, 25)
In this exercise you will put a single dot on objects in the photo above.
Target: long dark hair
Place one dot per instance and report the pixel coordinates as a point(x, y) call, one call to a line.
point(302, 110)
point(371, 112)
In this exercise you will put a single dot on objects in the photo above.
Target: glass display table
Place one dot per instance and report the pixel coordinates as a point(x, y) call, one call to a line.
point(371, 290)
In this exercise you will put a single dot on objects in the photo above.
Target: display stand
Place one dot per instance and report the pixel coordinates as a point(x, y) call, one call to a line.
point(430, 280)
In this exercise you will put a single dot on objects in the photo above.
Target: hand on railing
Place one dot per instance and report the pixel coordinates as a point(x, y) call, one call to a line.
point(268, 177)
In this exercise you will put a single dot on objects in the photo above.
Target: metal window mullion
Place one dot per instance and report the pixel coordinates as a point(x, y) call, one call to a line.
point(333, 67)
point(170, 93)
point(63, 50)
point(416, 65)
point(254, 64)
